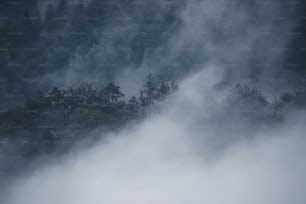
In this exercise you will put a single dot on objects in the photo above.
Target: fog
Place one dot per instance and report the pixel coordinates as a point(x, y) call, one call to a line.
point(249, 39)
point(178, 154)
point(160, 161)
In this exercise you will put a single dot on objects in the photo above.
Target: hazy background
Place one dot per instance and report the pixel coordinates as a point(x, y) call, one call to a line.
point(188, 151)
point(61, 43)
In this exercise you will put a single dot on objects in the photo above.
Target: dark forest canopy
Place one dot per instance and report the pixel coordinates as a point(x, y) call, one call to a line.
point(53, 122)
point(62, 113)
point(86, 106)
point(39, 38)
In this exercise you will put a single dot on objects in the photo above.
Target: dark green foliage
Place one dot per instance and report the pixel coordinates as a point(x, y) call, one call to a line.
point(290, 101)
point(42, 38)
point(150, 90)
point(164, 89)
point(54, 121)
point(247, 96)
point(133, 107)
point(246, 100)
point(111, 93)
point(250, 104)
point(153, 90)
point(69, 114)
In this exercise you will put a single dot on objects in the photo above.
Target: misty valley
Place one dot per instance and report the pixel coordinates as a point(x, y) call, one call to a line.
point(51, 123)
point(152, 102)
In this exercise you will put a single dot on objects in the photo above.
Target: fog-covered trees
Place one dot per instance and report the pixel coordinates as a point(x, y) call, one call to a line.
point(154, 91)
point(247, 101)
point(65, 115)
point(133, 107)
point(85, 106)
point(42, 39)
point(287, 102)
point(111, 93)
point(55, 120)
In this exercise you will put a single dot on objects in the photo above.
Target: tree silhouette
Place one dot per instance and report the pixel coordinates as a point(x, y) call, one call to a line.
point(111, 93)
point(150, 90)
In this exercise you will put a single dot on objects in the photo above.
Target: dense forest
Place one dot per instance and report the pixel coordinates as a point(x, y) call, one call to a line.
point(52, 122)
point(39, 39)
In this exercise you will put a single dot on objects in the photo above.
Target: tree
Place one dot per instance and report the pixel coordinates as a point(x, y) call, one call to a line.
point(133, 107)
point(85, 94)
point(164, 90)
point(150, 90)
point(111, 93)
point(248, 103)
point(247, 96)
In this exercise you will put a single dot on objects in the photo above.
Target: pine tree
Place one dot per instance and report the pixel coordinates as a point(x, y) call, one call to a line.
point(164, 90)
point(111, 93)
point(150, 91)
point(133, 107)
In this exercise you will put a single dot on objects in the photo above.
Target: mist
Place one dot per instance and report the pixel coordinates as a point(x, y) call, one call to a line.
point(247, 40)
point(162, 161)
point(184, 153)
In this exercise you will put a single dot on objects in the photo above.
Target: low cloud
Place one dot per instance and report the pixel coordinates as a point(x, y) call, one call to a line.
point(178, 155)
point(161, 161)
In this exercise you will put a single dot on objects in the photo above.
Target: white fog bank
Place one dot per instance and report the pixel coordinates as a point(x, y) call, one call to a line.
point(160, 161)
